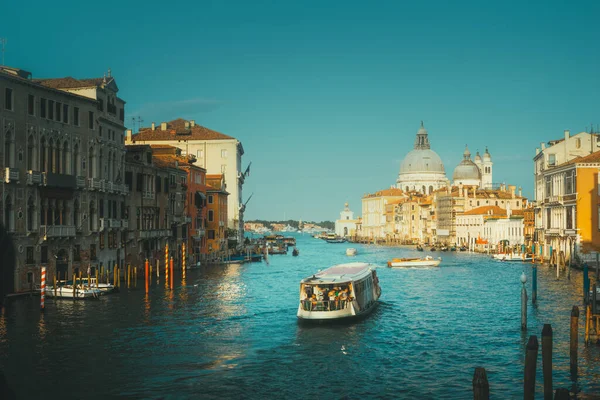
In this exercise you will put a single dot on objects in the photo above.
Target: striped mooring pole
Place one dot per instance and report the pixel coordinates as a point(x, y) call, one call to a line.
point(183, 259)
point(167, 262)
point(43, 292)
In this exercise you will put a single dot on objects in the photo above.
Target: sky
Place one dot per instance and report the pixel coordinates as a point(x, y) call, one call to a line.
point(327, 96)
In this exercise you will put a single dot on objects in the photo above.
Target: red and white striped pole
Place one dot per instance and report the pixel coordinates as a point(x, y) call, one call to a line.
point(43, 293)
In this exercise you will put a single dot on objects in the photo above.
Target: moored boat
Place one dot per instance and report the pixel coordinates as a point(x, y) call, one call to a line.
point(512, 257)
point(419, 247)
point(341, 292)
point(414, 262)
point(66, 291)
point(351, 251)
point(295, 252)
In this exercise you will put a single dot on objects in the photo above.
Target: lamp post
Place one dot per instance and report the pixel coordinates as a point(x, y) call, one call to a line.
point(523, 302)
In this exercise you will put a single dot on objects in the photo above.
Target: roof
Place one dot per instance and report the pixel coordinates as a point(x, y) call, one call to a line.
point(485, 210)
point(71, 83)
point(167, 161)
point(591, 158)
point(340, 273)
point(177, 128)
point(386, 192)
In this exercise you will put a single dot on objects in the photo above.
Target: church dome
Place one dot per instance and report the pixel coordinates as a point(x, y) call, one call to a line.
point(467, 170)
point(422, 160)
point(487, 156)
point(477, 157)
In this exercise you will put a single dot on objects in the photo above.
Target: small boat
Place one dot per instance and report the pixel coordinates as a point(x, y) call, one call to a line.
point(104, 288)
point(512, 257)
point(336, 240)
point(351, 251)
point(414, 262)
point(66, 291)
point(419, 247)
point(432, 249)
point(295, 252)
point(341, 292)
point(463, 248)
point(444, 248)
point(452, 248)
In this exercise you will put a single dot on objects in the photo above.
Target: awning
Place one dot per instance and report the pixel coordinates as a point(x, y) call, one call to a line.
point(201, 195)
point(199, 199)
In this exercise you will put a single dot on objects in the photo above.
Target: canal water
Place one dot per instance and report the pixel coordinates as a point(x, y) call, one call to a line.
point(231, 332)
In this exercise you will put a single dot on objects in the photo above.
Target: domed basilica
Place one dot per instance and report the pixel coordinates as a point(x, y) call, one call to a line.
point(422, 169)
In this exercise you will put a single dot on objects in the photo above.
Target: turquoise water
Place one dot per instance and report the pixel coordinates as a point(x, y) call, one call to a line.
point(232, 332)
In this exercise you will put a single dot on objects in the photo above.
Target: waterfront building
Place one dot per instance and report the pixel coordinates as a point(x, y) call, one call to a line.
point(216, 152)
point(505, 229)
point(452, 202)
point(529, 224)
point(216, 220)
point(194, 219)
point(566, 197)
point(346, 225)
point(427, 218)
point(374, 219)
point(484, 227)
point(155, 207)
point(62, 194)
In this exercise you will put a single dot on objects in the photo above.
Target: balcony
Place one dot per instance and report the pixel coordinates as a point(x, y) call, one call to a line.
point(148, 195)
point(61, 181)
point(109, 186)
point(11, 175)
point(198, 233)
point(177, 219)
point(155, 233)
point(552, 232)
point(114, 223)
point(34, 177)
point(553, 200)
point(94, 184)
point(80, 182)
point(187, 219)
point(124, 224)
point(57, 231)
point(221, 223)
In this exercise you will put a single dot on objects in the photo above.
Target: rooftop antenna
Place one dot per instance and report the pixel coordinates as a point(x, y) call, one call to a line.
point(3, 43)
point(140, 120)
point(133, 123)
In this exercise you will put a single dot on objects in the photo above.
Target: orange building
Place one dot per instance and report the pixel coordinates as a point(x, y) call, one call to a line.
point(195, 208)
point(587, 212)
point(216, 217)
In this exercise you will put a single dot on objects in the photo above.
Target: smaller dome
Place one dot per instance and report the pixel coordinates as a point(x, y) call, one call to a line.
point(487, 156)
point(477, 157)
point(467, 170)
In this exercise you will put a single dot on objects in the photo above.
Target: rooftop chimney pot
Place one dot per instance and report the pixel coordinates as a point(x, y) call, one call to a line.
point(567, 134)
point(192, 123)
point(153, 126)
point(163, 126)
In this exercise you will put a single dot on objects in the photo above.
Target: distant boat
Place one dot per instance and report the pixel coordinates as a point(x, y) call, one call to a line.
point(419, 247)
point(432, 249)
point(351, 251)
point(512, 257)
point(295, 252)
point(414, 262)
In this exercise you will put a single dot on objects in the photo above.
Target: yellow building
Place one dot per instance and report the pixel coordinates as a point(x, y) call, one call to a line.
point(587, 211)
point(216, 219)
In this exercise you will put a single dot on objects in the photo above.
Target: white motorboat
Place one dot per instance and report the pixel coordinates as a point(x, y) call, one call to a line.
point(414, 262)
point(351, 251)
point(104, 288)
point(341, 292)
point(66, 291)
point(512, 257)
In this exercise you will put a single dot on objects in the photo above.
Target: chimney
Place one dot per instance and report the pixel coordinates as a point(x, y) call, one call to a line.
point(163, 126)
point(543, 145)
point(567, 134)
point(512, 190)
point(187, 125)
point(537, 151)
point(520, 190)
point(153, 126)
point(128, 140)
point(192, 123)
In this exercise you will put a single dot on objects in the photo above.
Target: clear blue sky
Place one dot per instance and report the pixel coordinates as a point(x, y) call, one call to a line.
point(327, 98)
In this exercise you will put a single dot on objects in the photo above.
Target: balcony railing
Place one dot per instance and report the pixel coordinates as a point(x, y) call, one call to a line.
point(187, 219)
point(124, 224)
point(553, 231)
point(94, 184)
point(49, 231)
point(11, 175)
point(221, 223)
point(154, 233)
point(34, 177)
point(63, 181)
point(198, 233)
point(80, 181)
point(148, 195)
point(114, 223)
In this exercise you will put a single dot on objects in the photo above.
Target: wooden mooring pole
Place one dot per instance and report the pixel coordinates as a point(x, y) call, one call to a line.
point(562, 394)
point(574, 342)
point(586, 283)
point(530, 364)
point(534, 284)
point(547, 360)
point(481, 387)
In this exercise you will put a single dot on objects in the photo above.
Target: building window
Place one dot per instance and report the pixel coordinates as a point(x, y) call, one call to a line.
point(578, 143)
point(211, 215)
point(8, 99)
point(31, 104)
point(548, 218)
point(43, 108)
point(548, 186)
point(58, 111)
point(211, 233)
point(44, 254)
point(570, 182)
point(200, 153)
point(77, 253)
point(30, 259)
point(551, 160)
point(223, 153)
point(50, 109)
point(91, 119)
point(569, 218)
point(93, 252)
point(75, 116)
point(210, 199)
point(223, 168)
point(65, 113)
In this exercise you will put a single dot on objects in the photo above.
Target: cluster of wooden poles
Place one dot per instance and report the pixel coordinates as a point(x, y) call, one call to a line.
point(131, 273)
point(481, 388)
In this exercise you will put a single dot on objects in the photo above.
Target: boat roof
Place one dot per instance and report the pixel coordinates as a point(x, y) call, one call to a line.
point(340, 273)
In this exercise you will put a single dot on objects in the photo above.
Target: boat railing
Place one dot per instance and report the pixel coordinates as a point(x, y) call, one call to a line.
point(326, 305)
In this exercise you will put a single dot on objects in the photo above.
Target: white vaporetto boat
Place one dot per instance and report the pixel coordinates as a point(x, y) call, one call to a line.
point(512, 257)
point(341, 292)
point(414, 262)
point(351, 251)
point(66, 291)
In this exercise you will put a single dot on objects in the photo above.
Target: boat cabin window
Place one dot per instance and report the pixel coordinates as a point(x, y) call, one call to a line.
point(326, 297)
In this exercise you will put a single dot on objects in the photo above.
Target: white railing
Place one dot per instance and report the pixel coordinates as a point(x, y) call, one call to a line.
point(148, 195)
point(199, 233)
point(155, 233)
point(187, 219)
point(124, 224)
point(48, 231)
point(34, 177)
point(11, 175)
point(103, 223)
point(95, 184)
point(114, 223)
point(80, 181)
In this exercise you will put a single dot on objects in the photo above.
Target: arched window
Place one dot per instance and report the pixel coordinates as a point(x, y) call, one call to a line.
point(43, 155)
point(345, 231)
point(65, 151)
point(30, 153)
point(75, 167)
point(51, 156)
point(423, 190)
point(430, 189)
point(92, 217)
point(100, 173)
point(76, 213)
point(8, 150)
point(91, 163)
point(407, 189)
point(9, 217)
point(30, 214)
